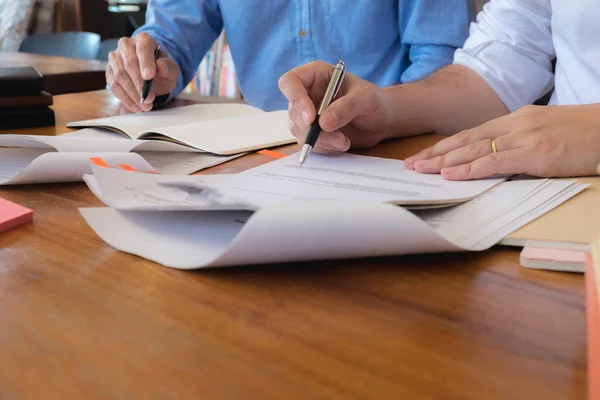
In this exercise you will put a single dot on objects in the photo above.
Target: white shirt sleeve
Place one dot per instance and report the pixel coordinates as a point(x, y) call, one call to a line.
point(510, 46)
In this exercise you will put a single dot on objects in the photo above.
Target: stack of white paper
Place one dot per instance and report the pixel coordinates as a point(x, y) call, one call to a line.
point(342, 206)
point(29, 159)
point(176, 141)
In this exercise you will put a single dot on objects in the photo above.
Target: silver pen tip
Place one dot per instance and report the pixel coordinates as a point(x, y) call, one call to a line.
point(305, 152)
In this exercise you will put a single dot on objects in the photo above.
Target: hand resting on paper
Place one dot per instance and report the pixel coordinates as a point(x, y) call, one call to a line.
point(132, 63)
point(552, 141)
point(359, 117)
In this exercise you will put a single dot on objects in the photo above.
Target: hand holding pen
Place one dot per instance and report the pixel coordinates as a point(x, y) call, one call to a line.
point(359, 116)
point(148, 82)
point(335, 83)
point(134, 62)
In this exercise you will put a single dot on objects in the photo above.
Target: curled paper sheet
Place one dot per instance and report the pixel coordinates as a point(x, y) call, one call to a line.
point(250, 218)
point(28, 166)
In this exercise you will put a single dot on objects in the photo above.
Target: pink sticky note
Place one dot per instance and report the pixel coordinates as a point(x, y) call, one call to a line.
point(12, 215)
point(556, 255)
point(553, 259)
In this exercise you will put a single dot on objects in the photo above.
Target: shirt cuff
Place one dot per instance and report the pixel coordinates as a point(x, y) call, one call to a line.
point(515, 78)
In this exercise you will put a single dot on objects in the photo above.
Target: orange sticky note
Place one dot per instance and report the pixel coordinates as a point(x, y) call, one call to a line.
point(99, 162)
point(128, 168)
point(13, 215)
point(271, 153)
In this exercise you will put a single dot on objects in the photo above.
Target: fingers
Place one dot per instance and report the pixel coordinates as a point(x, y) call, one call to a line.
point(116, 86)
point(165, 80)
point(127, 50)
point(295, 85)
point(489, 130)
point(120, 76)
point(145, 46)
point(357, 102)
point(304, 88)
point(465, 154)
point(502, 163)
point(167, 69)
point(132, 59)
point(327, 142)
point(129, 56)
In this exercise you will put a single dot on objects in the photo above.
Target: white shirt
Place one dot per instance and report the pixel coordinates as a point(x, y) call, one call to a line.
point(513, 42)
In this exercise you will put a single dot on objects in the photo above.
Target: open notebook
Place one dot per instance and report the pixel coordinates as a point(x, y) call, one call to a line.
point(223, 129)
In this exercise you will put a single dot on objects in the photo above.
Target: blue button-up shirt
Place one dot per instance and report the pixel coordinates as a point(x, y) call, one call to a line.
point(384, 41)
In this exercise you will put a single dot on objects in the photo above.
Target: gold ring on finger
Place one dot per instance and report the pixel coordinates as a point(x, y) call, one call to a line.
point(494, 149)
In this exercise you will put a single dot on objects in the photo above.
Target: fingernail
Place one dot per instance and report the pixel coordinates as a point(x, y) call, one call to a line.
point(305, 117)
point(421, 164)
point(146, 73)
point(329, 120)
point(338, 141)
point(448, 170)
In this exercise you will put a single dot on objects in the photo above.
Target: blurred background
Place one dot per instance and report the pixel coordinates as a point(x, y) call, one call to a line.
point(108, 20)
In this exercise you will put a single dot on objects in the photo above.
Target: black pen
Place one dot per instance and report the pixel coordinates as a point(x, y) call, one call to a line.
point(148, 83)
point(335, 83)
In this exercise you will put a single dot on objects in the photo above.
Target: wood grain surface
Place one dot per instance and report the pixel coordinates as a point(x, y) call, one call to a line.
point(79, 320)
point(61, 74)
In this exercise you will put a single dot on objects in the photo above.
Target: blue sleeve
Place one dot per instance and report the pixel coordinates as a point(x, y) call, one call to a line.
point(185, 29)
point(433, 30)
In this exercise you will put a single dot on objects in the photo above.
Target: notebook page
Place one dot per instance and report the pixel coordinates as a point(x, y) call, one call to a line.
point(91, 140)
point(133, 125)
point(231, 135)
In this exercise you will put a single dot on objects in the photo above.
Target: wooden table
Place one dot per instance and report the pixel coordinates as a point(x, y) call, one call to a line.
point(61, 75)
point(81, 320)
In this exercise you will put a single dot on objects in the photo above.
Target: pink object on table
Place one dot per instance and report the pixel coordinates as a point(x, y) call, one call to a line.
point(553, 259)
point(13, 215)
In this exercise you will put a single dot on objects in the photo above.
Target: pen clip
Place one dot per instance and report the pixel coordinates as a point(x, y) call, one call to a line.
point(338, 84)
point(335, 83)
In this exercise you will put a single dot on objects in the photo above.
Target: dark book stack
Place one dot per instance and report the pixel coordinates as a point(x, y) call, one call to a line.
point(23, 102)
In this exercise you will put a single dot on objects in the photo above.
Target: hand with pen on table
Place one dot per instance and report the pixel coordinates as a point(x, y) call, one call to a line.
point(138, 63)
point(357, 117)
point(549, 141)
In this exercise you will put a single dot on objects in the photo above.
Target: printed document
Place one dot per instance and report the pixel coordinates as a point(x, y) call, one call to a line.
point(341, 206)
point(340, 178)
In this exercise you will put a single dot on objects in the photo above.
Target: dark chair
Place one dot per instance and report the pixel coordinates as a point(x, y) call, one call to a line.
point(65, 44)
point(106, 47)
